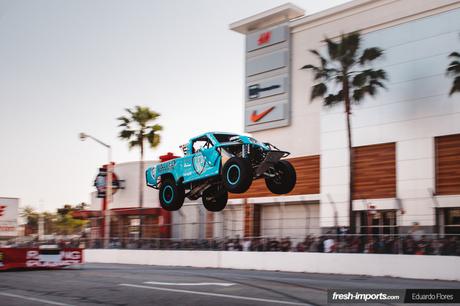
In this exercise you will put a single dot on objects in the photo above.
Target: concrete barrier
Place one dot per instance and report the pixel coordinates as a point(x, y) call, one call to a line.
point(407, 266)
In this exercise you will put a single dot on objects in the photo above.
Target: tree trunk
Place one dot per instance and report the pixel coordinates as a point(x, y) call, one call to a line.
point(141, 179)
point(346, 94)
point(141, 193)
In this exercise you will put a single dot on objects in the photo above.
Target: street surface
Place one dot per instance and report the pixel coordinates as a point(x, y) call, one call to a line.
point(114, 284)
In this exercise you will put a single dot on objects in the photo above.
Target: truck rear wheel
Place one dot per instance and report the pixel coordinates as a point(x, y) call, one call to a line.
point(215, 198)
point(284, 180)
point(237, 175)
point(171, 196)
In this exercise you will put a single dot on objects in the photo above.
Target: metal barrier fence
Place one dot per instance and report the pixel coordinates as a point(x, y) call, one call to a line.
point(287, 231)
point(379, 244)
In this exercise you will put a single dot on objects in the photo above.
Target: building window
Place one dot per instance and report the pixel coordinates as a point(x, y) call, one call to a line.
point(378, 222)
point(447, 150)
point(374, 171)
point(452, 221)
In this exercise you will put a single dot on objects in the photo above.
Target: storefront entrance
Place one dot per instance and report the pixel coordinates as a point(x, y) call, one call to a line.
point(377, 222)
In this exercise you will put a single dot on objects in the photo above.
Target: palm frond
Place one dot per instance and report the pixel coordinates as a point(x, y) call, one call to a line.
point(455, 86)
point(348, 47)
point(332, 49)
point(321, 58)
point(309, 67)
point(124, 121)
point(454, 68)
point(454, 55)
point(331, 99)
point(318, 91)
point(370, 54)
point(134, 143)
point(126, 134)
point(153, 139)
point(360, 79)
point(156, 128)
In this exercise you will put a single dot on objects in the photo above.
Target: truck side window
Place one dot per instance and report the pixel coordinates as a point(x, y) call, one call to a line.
point(201, 143)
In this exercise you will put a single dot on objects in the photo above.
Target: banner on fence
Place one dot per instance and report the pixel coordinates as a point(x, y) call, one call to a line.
point(11, 258)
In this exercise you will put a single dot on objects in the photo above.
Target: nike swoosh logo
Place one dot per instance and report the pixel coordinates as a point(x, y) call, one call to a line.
point(256, 117)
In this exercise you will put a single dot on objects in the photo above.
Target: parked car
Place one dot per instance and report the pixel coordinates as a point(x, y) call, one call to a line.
point(215, 164)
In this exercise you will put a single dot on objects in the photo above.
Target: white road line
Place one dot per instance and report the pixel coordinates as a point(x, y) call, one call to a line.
point(191, 284)
point(33, 299)
point(216, 294)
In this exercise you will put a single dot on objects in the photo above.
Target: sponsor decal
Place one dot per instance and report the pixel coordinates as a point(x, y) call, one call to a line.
point(198, 163)
point(264, 38)
point(255, 117)
point(163, 167)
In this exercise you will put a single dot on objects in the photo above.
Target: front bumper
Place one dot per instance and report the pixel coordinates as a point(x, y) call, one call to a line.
point(272, 157)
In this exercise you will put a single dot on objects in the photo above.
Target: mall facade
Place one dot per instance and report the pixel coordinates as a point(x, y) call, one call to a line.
point(406, 140)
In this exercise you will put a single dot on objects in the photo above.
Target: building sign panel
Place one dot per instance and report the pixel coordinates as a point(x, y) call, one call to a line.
point(265, 38)
point(267, 88)
point(9, 211)
point(267, 62)
point(100, 182)
point(267, 78)
point(266, 113)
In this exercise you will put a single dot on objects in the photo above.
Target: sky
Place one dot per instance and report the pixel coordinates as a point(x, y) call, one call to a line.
point(73, 66)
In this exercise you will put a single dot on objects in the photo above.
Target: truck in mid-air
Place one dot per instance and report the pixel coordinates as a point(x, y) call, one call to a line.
point(215, 164)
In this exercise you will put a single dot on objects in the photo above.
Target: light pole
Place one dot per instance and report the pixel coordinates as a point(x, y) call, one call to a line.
point(108, 188)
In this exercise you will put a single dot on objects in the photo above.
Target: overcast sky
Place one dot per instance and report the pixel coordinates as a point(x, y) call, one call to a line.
point(73, 66)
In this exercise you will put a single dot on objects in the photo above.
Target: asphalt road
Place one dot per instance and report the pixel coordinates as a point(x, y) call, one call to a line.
point(110, 284)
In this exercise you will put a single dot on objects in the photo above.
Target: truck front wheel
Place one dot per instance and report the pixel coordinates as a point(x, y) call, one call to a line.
point(284, 178)
point(237, 175)
point(171, 196)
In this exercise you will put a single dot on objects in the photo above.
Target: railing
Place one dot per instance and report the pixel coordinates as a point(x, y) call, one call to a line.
point(379, 244)
point(289, 234)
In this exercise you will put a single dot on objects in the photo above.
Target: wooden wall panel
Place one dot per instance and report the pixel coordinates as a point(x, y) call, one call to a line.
point(375, 171)
point(447, 150)
point(209, 225)
point(307, 169)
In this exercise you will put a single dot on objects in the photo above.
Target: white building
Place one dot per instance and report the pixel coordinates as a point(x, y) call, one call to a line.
point(412, 129)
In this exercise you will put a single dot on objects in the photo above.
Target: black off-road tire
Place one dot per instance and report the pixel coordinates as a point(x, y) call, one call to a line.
point(237, 175)
point(215, 198)
point(171, 196)
point(285, 178)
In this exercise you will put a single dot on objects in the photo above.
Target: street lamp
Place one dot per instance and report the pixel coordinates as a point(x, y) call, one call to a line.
point(108, 189)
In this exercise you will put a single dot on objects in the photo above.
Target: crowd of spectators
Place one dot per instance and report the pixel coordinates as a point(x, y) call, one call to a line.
point(351, 244)
point(403, 244)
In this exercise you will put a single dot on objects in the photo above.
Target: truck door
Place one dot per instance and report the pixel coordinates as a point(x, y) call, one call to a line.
point(204, 161)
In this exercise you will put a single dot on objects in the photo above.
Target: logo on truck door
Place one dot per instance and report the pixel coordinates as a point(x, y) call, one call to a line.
point(199, 163)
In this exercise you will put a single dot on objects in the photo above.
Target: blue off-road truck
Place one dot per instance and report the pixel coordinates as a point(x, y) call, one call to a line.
point(215, 164)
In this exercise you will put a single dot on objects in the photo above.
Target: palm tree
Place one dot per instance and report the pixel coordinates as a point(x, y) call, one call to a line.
point(345, 75)
point(138, 129)
point(454, 70)
point(30, 216)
